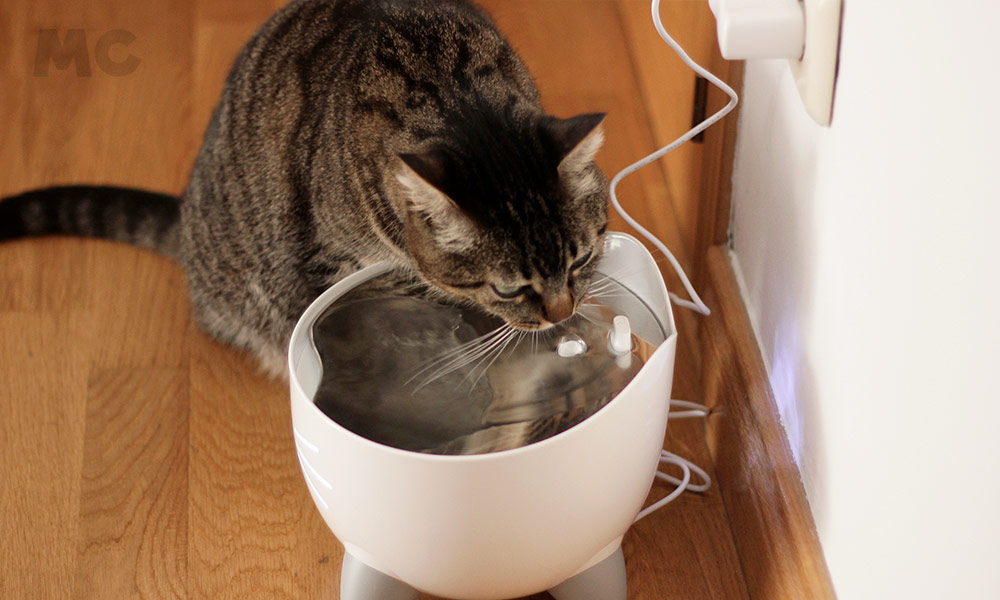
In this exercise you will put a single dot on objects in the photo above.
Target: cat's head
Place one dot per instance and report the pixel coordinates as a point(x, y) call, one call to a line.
point(508, 215)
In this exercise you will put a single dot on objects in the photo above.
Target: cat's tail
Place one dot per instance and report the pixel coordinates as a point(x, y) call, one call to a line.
point(137, 217)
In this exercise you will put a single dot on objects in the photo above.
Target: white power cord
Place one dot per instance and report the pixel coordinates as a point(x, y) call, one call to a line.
point(696, 304)
point(683, 484)
point(691, 409)
point(694, 409)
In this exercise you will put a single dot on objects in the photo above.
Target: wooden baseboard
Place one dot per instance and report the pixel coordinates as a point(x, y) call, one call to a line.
point(771, 522)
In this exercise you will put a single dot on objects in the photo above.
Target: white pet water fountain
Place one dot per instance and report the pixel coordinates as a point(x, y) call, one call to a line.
point(546, 516)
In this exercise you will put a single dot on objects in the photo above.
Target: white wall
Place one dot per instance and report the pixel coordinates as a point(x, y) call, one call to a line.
point(869, 252)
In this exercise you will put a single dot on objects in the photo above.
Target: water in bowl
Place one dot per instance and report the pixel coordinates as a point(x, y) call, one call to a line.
point(410, 372)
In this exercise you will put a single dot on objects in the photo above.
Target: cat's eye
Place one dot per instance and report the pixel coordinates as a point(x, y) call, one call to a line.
point(509, 291)
point(581, 261)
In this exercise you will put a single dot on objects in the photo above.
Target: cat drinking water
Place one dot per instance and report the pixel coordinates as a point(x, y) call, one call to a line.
point(356, 131)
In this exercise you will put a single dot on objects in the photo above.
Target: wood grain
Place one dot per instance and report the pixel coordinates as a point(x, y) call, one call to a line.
point(772, 524)
point(141, 459)
point(253, 530)
point(133, 485)
point(42, 421)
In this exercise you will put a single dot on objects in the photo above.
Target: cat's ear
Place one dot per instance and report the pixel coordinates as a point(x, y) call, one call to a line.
point(423, 178)
point(577, 141)
point(428, 167)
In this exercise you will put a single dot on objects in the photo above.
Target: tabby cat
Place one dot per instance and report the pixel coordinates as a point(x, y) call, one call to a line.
point(355, 131)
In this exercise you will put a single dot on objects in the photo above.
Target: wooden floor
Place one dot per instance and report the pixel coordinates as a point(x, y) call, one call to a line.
point(139, 458)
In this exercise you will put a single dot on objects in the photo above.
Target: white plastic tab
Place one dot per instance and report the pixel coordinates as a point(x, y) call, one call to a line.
point(620, 338)
point(571, 345)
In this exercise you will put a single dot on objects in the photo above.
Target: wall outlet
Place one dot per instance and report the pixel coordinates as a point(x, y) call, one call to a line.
point(805, 32)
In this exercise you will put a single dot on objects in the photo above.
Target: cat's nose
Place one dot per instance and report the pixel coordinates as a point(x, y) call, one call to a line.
point(558, 308)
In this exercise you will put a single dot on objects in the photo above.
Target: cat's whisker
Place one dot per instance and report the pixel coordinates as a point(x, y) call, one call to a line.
point(594, 292)
point(606, 289)
point(460, 361)
point(517, 339)
point(590, 299)
point(601, 276)
point(602, 287)
point(480, 354)
point(608, 281)
point(611, 294)
point(483, 357)
point(582, 314)
point(546, 334)
point(469, 346)
point(485, 352)
point(453, 359)
point(617, 275)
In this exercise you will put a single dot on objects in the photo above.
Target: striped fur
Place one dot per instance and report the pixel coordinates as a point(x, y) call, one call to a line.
point(145, 219)
point(297, 183)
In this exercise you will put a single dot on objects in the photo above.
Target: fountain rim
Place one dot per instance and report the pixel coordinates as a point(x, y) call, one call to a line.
point(317, 307)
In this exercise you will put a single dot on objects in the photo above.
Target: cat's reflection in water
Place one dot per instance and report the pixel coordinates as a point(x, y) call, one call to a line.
point(419, 375)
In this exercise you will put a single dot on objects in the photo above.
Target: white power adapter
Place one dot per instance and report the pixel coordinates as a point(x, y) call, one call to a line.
point(807, 33)
point(759, 28)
